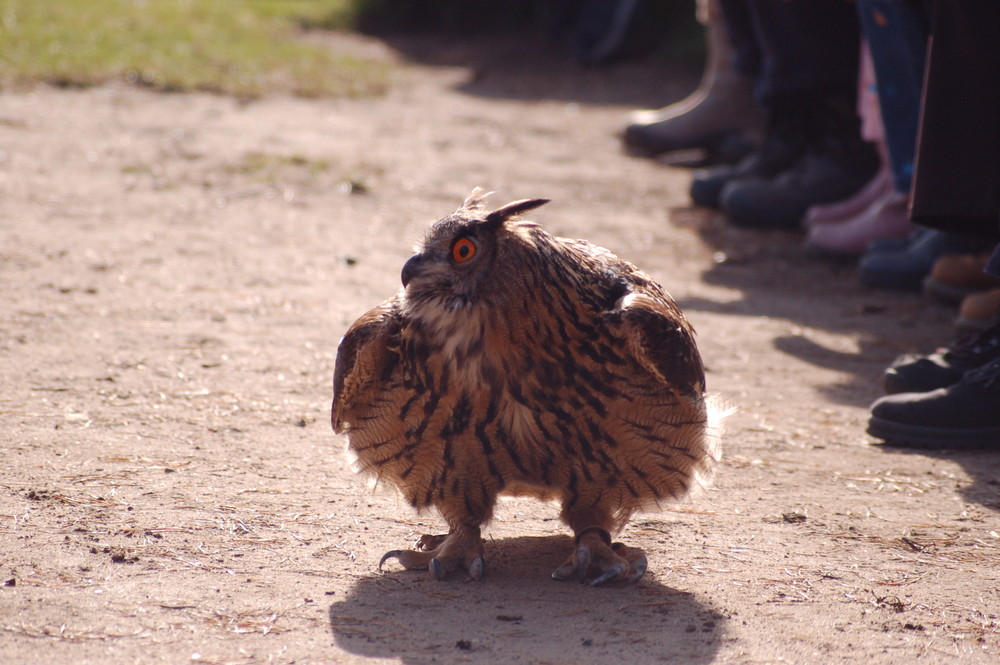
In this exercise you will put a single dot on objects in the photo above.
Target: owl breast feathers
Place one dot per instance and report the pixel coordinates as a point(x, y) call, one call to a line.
point(516, 362)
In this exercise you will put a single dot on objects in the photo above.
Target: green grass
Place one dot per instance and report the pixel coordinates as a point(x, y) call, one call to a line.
point(267, 166)
point(240, 47)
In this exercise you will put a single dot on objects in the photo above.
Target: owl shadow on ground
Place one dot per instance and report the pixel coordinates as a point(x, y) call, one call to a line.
point(518, 615)
point(778, 278)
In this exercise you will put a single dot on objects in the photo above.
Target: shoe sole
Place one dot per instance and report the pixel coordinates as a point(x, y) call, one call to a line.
point(916, 436)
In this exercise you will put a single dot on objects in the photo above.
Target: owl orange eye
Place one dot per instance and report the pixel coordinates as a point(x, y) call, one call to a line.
point(463, 250)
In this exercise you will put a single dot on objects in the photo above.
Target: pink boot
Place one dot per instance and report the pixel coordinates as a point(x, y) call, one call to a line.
point(840, 211)
point(885, 218)
point(873, 131)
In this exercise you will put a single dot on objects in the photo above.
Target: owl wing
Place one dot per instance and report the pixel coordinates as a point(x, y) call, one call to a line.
point(365, 356)
point(659, 336)
point(662, 341)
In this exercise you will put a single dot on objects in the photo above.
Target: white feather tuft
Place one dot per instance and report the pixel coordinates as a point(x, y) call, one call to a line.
point(476, 199)
point(717, 410)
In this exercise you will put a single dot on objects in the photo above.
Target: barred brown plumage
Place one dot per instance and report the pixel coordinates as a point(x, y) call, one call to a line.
point(516, 362)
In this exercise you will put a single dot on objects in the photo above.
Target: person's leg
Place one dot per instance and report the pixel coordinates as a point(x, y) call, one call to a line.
point(956, 185)
point(720, 118)
point(808, 48)
point(739, 29)
point(892, 71)
point(872, 131)
point(896, 33)
point(879, 210)
point(807, 85)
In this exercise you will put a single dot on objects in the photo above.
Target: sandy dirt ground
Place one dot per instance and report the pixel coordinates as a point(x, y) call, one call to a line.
point(176, 272)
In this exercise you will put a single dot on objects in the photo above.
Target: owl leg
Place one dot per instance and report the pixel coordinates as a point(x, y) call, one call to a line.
point(461, 548)
point(595, 558)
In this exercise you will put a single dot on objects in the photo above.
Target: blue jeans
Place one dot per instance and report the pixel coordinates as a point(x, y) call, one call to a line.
point(896, 32)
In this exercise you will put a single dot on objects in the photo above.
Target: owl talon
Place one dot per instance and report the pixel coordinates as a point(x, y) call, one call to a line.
point(596, 561)
point(409, 559)
point(437, 569)
point(583, 560)
point(477, 568)
point(612, 573)
point(638, 566)
point(392, 554)
point(440, 555)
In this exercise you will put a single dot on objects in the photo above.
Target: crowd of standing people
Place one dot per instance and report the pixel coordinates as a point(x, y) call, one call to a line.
point(874, 126)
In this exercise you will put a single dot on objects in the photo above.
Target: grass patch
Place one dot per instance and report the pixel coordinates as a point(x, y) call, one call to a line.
point(267, 166)
point(240, 47)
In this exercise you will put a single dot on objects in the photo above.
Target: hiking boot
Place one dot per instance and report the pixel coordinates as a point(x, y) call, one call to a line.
point(885, 218)
point(964, 415)
point(783, 146)
point(706, 124)
point(834, 168)
point(838, 211)
point(944, 367)
point(720, 118)
point(906, 267)
point(978, 311)
point(955, 276)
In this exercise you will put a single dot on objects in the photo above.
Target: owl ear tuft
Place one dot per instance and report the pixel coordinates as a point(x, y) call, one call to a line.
point(514, 209)
point(475, 200)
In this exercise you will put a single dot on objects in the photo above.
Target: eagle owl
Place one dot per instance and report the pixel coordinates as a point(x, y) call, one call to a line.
point(514, 362)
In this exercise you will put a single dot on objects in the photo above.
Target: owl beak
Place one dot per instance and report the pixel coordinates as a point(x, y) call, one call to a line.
point(411, 268)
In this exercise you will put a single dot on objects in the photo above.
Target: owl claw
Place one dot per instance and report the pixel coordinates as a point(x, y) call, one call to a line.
point(392, 554)
point(612, 573)
point(477, 568)
point(409, 559)
point(638, 568)
point(437, 569)
point(440, 555)
point(583, 559)
point(595, 562)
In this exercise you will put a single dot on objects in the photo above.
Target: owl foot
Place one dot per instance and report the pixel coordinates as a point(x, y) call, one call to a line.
point(596, 560)
point(442, 555)
point(430, 542)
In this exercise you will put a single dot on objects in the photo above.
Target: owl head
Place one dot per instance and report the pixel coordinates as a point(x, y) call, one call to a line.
point(460, 252)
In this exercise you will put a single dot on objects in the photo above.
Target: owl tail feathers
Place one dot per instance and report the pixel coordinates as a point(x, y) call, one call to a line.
point(717, 410)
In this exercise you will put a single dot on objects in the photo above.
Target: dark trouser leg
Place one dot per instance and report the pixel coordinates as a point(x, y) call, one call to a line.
point(807, 46)
point(956, 185)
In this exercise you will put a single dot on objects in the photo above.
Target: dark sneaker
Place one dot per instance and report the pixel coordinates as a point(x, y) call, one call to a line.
point(718, 147)
point(918, 374)
point(965, 415)
point(831, 171)
point(720, 120)
point(783, 146)
point(906, 267)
